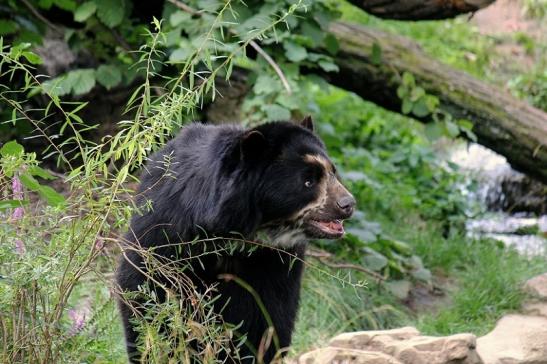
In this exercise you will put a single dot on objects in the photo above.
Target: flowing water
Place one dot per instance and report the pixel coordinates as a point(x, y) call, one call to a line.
point(516, 205)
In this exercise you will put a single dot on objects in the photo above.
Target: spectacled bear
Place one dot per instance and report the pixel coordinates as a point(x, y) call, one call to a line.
point(273, 183)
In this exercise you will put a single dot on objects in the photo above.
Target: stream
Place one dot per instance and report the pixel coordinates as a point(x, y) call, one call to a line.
point(516, 205)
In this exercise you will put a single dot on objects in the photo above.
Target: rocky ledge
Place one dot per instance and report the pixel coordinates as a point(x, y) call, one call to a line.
point(516, 339)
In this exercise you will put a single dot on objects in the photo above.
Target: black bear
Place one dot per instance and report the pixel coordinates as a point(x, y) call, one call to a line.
point(273, 183)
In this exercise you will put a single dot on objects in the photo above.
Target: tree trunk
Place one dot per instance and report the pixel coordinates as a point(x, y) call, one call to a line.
point(502, 123)
point(420, 9)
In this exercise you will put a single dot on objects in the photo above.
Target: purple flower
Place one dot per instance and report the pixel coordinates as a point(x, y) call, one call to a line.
point(20, 247)
point(17, 195)
point(78, 321)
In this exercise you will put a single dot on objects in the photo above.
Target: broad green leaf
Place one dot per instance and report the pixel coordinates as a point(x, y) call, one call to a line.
point(328, 66)
point(408, 79)
point(179, 17)
point(11, 204)
point(264, 84)
point(375, 262)
point(82, 80)
point(52, 197)
point(29, 182)
point(331, 44)
point(294, 52)
point(406, 107)
point(108, 75)
point(65, 4)
point(181, 54)
point(40, 172)
point(399, 289)
point(84, 11)
point(465, 124)
point(11, 148)
point(363, 234)
point(433, 131)
point(422, 274)
point(419, 108)
point(402, 92)
point(313, 32)
point(452, 128)
point(110, 12)
point(275, 112)
point(376, 55)
point(7, 27)
point(32, 57)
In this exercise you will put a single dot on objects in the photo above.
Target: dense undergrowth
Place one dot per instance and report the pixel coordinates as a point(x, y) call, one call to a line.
point(58, 251)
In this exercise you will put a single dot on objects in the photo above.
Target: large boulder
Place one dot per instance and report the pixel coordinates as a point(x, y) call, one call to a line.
point(516, 339)
point(537, 286)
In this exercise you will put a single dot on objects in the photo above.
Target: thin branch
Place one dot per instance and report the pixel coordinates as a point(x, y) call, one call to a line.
point(182, 6)
point(324, 257)
point(40, 16)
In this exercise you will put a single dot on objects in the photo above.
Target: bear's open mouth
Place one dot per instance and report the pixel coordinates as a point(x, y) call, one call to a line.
point(327, 229)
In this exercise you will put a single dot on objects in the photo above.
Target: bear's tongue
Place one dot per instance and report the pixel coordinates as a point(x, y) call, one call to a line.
point(334, 225)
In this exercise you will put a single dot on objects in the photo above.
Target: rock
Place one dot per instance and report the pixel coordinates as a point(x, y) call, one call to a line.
point(516, 339)
point(537, 286)
point(404, 345)
point(331, 355)
point(535, 308)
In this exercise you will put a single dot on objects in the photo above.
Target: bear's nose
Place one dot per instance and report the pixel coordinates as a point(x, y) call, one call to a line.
point(346, 204)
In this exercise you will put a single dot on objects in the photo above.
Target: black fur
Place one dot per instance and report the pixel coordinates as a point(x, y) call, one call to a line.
point(221, 180)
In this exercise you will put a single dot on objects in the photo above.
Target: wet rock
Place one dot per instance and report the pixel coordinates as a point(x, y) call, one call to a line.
point(537, 286)
point(404, 345)
point(516, 339)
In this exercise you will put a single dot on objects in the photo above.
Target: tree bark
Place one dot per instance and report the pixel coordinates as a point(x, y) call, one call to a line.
point(502, 123)
point(420, 9)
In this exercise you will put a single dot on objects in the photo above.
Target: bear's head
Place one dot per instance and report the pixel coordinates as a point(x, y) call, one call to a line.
point(299, 193)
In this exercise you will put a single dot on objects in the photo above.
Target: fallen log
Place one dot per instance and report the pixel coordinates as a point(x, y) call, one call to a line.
point(420, 9)
point(502, 123)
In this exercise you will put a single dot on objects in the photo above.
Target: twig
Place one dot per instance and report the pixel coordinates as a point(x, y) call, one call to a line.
point(182, 6)
point(324, 257)
point(40, 16)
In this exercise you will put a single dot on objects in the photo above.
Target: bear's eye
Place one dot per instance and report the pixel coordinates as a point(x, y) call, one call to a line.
point(308, 184)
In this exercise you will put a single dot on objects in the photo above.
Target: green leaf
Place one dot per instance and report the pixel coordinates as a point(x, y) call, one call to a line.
point(29, 182)
point(108, 75)
point(328, 66)
point(82, 80)
point(313, 32)
point(264, 84)
point(110, 12)
point(294, 52)
point(11, 204)
point(12, 148)
point(331, 44)
point(376, 55)
point(40, 172)
point(8, 27)
point(84, 11)
point(401, 92)
point(275, 112)
point(32, 57)
point(433, 131)
point(181, 54)
point(399, 289)
point(452, 128)
point(52, 197)
point(375, 262)
point(179, 17)
point(364, 235)
point(420, 108)
point(65, 4)
point(422, 274)
point(408, 79)
point(465, 124)
point(406, 107)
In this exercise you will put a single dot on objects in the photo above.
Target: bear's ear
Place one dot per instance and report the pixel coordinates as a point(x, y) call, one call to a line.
point(253, 145)
point(307, 123)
